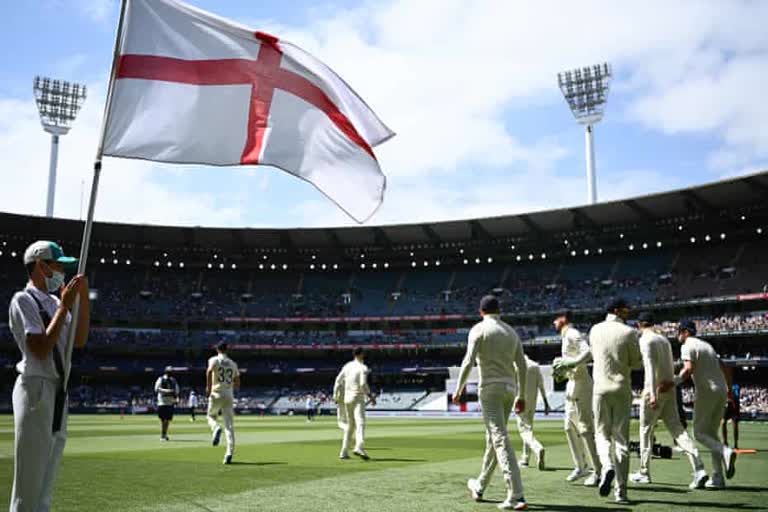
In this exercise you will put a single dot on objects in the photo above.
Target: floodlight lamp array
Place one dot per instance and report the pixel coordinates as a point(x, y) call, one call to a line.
point(58, 102)
point(586, 91)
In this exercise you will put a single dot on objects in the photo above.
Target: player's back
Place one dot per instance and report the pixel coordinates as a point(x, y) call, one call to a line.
point(707, 374)
point(658, 350)
point(355, 379)
point(615, 352)
point(497, 351)
point(225, 372)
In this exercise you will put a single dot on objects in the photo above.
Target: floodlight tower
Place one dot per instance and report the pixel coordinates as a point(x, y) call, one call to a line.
point(586, 91)
point(58, 103)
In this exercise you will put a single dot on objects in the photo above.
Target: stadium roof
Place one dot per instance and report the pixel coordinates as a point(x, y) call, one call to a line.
point(737, 194)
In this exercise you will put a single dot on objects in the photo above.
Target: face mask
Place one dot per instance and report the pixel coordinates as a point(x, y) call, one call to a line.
point(55, 282)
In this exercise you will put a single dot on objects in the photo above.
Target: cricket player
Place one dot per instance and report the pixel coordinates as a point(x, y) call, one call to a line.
point(616, 353)
point(221, 379)
point(40, 323)
point(350, 391)
point(658, 365)
point(702, 362)
point(167, 390)
point(534, 386)
point(310, 406)
point(579, 422)
point(192, 402)
point(502, 370)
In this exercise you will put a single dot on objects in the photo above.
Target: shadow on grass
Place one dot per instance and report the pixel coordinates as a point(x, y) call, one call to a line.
point(198, 441)
point(575, 508)
point(383, 459)
point(656, 488)
point(746, 488)
point(704, 504)
point(245, 463)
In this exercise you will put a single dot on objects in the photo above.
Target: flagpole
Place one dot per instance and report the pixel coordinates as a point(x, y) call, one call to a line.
point(86, 243)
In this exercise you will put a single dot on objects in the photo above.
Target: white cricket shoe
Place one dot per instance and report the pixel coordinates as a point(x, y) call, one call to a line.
point(576, 474)
point(592, 480)
point(344, 455)
point(475, 491)
point(729, 456)
point(540, 464)
point(640, 478)
point(715, 483)
point(620, 498)
point(228, 459)
point(699, 479)
point(513, 504)
point(523, 463)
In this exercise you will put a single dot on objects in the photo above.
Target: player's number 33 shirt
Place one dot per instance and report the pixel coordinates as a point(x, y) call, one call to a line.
point(224, 373)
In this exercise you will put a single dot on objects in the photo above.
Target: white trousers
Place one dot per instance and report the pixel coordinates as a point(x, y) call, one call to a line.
point(496, 401)
point(666, 411)
point(707, 415)
point(580, 433)
point(355, 411)
point(525, 427)
point(226, 406)
point(612, 411)
point(37, 451)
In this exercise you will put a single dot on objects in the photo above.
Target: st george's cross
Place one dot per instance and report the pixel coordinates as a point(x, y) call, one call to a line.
point(190, 87)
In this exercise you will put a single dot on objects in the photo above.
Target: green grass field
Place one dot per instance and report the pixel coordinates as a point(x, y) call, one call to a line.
point(286, 464)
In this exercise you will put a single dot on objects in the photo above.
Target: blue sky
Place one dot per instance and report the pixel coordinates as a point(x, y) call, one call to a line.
point(470, 88)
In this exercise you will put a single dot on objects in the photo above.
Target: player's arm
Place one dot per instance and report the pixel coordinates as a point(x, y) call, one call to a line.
point(208, 380)
point(236, 384)
point(648, 355)
point(467, 363)
point(84, 314)
point(39, 339)
point(338, 387)
point(522, 377)
point(635, 357)
point(584, 354)
point(543, 393)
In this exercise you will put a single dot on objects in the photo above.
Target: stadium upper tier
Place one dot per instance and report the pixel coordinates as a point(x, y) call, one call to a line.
point(699, 242)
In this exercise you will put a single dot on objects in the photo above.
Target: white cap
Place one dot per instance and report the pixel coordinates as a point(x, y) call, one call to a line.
point(46, 251)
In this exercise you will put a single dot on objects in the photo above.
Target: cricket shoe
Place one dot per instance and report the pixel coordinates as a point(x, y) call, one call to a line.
point(228, 459)
point(606, 481)
point(715, 483)
point(523, 463)
point(593, 480)
point(729, 456)
point(699, 479)
point(344, 456)
point(513, 504)
point(362, 454)
point(475, 491)
point(620, 498)
point(540, 464)
point(164, 438)
point(576, 474)
point(216, 437)
point(640, 478)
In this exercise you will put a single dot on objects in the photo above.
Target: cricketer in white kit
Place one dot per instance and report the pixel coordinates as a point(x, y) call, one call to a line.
point(579, 421)
point(534, 387)
point(501, 366)
point(221, 379)
point(40, 323)
point(702, 363)
point(350, 391)
point(616, 352)
point(658, 364)
point(193, 402)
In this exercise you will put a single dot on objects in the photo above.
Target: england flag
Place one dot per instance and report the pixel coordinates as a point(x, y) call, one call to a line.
point(190, 87)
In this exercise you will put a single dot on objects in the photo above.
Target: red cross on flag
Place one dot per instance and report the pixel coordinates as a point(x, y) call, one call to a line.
point(190, 87)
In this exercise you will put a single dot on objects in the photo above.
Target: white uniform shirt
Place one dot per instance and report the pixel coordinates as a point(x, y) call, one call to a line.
point(163, 398)
point(498, 351)
point(24, 318)
point(224, 372)
point(193, 401)
point(352, 382)
point(615, 352)
point(534, 385)
point(658, 362)
point(707, 375)
point(574, 346)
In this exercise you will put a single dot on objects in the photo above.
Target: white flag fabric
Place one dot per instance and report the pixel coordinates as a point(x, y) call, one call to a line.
point(191, 87)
